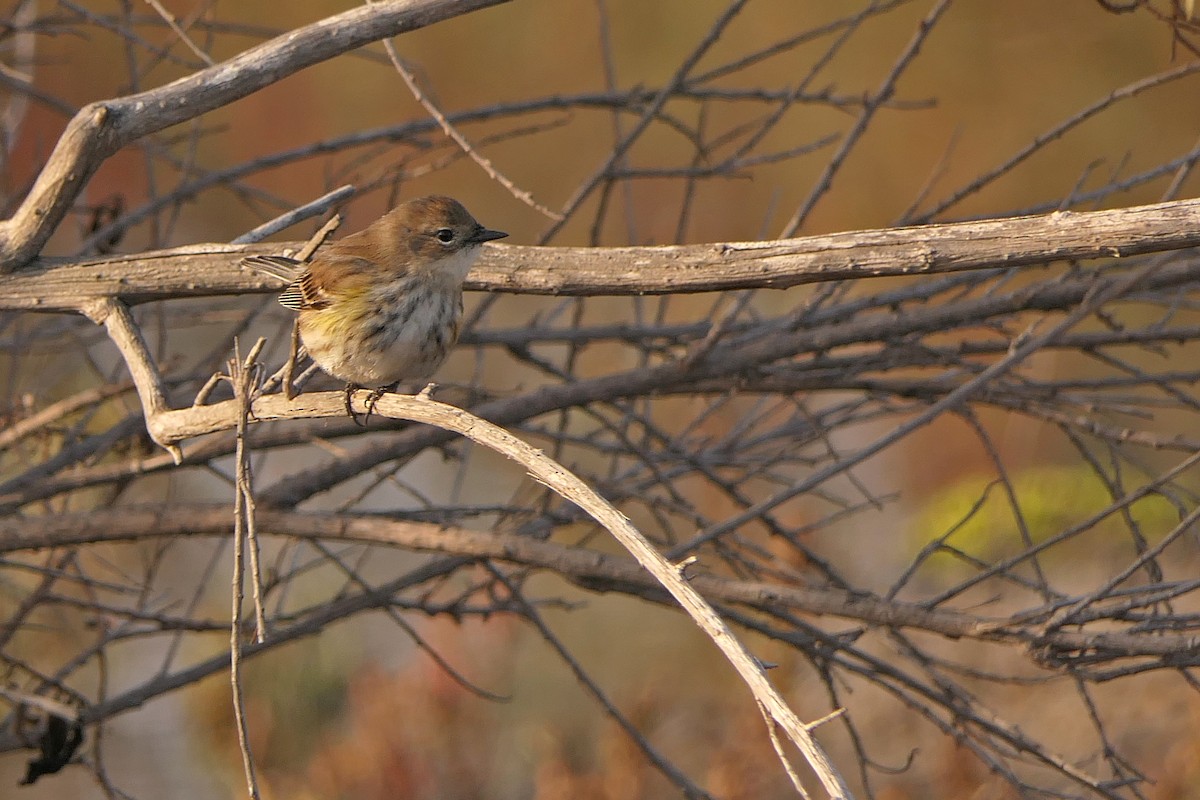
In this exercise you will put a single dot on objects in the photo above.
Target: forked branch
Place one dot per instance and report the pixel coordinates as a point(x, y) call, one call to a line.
point(102, 128)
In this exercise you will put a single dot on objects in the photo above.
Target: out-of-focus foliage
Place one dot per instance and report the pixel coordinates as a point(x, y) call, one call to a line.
point(738, 149)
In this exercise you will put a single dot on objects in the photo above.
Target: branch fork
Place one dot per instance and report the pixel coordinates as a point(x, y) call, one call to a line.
point(169, 427)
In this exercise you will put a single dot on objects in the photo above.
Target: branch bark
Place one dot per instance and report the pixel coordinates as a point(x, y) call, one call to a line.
point(590, 569)
point(104, 127)
point(206, 270)
point(177, 425)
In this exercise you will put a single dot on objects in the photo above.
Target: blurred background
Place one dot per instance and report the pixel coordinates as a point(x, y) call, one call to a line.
point(740, 152)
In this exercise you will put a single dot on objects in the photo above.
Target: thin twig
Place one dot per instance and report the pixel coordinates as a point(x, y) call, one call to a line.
point(567, 485)
point(243, 375)
point(521, 194)
point(283, 221)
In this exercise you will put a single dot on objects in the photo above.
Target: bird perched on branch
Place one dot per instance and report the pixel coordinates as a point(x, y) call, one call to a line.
point(383, 306)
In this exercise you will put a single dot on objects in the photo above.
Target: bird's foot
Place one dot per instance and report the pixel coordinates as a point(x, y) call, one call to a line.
point(373, 398)
point(350, 389)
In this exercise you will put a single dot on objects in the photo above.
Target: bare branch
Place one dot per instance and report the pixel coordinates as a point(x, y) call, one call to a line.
point(102, 128)
point(207, 270)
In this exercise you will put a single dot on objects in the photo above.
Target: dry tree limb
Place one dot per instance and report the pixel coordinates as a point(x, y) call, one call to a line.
point(207, 270)
point(175, 426)
point(912, 352)
point(601, 572)
point(127, 336)
point(104, 127)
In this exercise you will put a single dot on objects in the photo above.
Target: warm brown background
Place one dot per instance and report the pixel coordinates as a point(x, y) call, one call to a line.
point(355, 713)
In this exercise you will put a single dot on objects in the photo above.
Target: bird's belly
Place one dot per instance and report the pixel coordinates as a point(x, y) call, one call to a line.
point(406, 347)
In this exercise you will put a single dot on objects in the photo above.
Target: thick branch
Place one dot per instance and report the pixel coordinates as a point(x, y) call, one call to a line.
point(102, 128)
point(205, 270)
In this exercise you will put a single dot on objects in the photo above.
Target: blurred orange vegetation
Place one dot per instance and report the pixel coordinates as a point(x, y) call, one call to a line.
point(1001, 74)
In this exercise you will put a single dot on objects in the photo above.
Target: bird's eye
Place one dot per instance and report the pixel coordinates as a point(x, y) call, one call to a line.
point(445, 235)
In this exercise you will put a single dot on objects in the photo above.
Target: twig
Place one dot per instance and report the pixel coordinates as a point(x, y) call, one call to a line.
point(781, 754)
point(618, 151)
point(673, 773)
point(568, 486)
point(521, 194)
point(283, 221)
point(169, 18)
point(243, 377)
point(870, 106)
point(1039, 142)
point(38, 421)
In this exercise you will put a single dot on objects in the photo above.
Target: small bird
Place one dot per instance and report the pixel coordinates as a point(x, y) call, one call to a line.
point(383, 306)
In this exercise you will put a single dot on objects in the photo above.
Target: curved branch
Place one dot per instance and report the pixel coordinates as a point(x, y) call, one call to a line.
point(103, 127)
point(173, 426)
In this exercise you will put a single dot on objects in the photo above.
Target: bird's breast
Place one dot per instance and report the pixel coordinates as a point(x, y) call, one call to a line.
point(396, 332)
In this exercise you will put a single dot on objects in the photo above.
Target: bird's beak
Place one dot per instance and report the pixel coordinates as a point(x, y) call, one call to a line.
point(482, 235)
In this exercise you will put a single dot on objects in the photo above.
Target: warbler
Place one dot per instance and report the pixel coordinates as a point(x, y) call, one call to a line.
point(383, 306)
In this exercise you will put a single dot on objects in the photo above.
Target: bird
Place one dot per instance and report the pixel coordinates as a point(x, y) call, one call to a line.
point(383, 306)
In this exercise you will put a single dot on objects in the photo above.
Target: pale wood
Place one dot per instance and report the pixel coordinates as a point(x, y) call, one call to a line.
point(174, 426)
point(102, 128)
point(212, 269)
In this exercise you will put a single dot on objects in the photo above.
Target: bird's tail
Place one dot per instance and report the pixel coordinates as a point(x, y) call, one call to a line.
point(282, 267)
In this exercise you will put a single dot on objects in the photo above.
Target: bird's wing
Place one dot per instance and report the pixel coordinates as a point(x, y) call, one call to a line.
point(304, 294)
point(302, 291)
point(282, 267)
